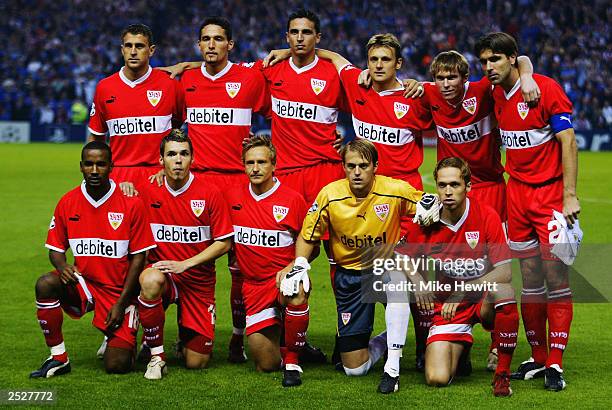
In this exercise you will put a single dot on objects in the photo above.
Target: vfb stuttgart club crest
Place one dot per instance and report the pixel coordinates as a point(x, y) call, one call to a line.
point(523, 109)
point(400, 109)
point(154, 97)
point(232, 89)
point(317, 85)
point(470, 105)
point(472, 238)
point(279, 212)
point(381, 211)
point(346, 317)
point(197, 206)
point(115, 219)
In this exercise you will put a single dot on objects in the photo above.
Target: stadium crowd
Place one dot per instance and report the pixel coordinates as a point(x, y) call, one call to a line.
point(56, 51)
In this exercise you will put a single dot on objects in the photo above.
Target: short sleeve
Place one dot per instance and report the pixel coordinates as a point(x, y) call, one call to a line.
point(316, 221)
point(141, 237)
point(97, 125)
point(57, 236)
point(220, 218)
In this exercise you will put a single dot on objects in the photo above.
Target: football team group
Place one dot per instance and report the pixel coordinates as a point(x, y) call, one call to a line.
point(156, 208)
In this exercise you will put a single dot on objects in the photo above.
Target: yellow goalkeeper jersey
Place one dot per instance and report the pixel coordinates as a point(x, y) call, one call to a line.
point(360, 229)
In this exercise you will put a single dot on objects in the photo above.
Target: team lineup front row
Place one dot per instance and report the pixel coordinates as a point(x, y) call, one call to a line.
point(164, 242)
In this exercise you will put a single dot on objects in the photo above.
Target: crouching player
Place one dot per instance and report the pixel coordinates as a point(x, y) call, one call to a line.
point(267, 217)
point(471, 258)
point(191, 224)
point(362, 214)
point(108, 235)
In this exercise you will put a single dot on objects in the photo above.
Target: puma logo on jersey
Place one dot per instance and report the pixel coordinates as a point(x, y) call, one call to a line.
point(75, 218)
point(154, 96)
point(191, 89)
point(566, 118)
point(317, 85)
point(470, 105)
point(111, 100)
point(523, 109)
point(232, 89)
point(156, 205)
point(400, 109)
point(115, 219)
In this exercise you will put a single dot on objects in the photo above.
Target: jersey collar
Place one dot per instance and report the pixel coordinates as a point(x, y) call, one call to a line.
point(99, 202)
point(460, 222)
point(514, 89)
point(219, 74)
point(134, 83)
point(181, 189)
point(265, 194)
point(392, 90)
point(301, 70)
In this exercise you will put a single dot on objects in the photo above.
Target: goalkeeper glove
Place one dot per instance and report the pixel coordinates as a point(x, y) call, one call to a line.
point(290, 285)
point(428, 210)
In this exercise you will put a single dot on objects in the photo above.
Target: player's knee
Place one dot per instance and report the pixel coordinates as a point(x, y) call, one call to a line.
point(151, 283)
point(194, 362)
point(531, 271)
point(556, 275)
point(48, 286)
point(299, 299)
point(504, 291)
point(267, 365)
point(118, 365)
point(437, 378)
point(357, 371)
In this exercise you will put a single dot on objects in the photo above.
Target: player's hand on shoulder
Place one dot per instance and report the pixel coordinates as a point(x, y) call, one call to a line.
point(177, 69)
point(413, 88)
point(571, 209)
point(365, 80)
point(157, 178)
point(427, 210)
point(530, 90)
point(276, 56)
point(247, 138)
point(128, 189)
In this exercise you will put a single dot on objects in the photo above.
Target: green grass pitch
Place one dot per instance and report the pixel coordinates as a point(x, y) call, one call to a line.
point(36, 175)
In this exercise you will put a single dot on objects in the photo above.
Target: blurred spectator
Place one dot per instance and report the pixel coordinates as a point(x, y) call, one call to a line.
point(78, 112)
point(60, 49)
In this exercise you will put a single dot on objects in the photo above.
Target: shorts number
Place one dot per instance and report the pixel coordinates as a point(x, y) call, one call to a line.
point(555, 229)
point(133, 319)
point(211, 310)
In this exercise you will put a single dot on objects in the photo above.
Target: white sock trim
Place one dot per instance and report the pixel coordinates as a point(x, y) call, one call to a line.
point(359, 371)
point(238, 331)
point(59, 349)
point(155, 351)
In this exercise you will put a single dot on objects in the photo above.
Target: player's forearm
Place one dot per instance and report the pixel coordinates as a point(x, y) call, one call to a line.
point(337, 60)
point(130, 285)
point(569, 159)
point(58, 260)
point(304, 248)
point(524, 66)
point(215, 250)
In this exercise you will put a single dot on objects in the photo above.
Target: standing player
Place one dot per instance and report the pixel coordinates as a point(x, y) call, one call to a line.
point(221, 98)
point(191, 224)
point(136, 107)
point(108, 235)
point(468, 246)
point(542, 163)
point(362, 214)
point(381, 113)
point(267, 217)
point(466, 127)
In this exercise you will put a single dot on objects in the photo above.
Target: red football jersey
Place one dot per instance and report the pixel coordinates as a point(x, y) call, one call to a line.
point(468, 130)
point(219, 110)
point(389, 120)
point(533, 154)
point(265, 228)
point(305, 104)
point(465, 251)
point(100, 233)
point(136, 115)
point(187, 221)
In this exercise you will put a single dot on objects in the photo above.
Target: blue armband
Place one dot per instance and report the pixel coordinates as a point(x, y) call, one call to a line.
point(560, 122)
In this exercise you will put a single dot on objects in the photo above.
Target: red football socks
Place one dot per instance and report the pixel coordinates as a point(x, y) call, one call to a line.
point(50, 318)
point(152, 319)
point(506, 334)
point(296, 325)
